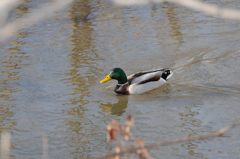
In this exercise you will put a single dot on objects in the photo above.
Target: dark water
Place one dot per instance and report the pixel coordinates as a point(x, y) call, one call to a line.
point(53, 106)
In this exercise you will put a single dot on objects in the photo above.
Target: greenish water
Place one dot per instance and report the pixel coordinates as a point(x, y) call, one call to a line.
point(50, 91)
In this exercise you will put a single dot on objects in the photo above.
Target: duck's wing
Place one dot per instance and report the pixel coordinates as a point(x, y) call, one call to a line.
point(142, 88)
point(146, 76)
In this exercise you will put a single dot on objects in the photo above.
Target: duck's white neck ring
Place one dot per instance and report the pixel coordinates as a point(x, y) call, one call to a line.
point(121, 84)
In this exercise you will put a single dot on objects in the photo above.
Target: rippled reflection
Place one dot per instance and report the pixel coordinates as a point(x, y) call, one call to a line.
point(11, 63)
point(175, 27)
point(117, 108)
point(190, 123)
point(13, 59)
point(80, 75)
point(81, 58)
point(10, 66)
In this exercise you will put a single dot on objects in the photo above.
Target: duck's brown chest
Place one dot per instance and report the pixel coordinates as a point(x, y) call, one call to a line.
point(122, 89)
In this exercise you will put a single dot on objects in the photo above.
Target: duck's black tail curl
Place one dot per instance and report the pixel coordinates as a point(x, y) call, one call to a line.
point(167, 73)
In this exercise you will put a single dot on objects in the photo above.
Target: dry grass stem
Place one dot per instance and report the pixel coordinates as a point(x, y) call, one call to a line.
point(45, 147)
point(5, 145)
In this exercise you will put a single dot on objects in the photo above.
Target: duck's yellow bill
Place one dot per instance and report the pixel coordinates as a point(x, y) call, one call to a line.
point(107, 78)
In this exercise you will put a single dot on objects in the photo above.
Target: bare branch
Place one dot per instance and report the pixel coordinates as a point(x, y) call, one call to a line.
point(134, 149)
point(5, 7)
point(47, 10)
point(44, 12)
point(209, 9)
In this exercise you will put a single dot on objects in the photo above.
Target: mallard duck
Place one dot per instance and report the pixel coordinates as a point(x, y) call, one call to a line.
point(137, 83)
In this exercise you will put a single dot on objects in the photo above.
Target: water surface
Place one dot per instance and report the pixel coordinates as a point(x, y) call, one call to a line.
point(53, 106)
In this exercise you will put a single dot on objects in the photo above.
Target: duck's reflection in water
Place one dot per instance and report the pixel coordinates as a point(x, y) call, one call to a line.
point(117, 108)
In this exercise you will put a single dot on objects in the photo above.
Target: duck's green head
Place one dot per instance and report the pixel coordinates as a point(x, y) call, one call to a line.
point(117, 74)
